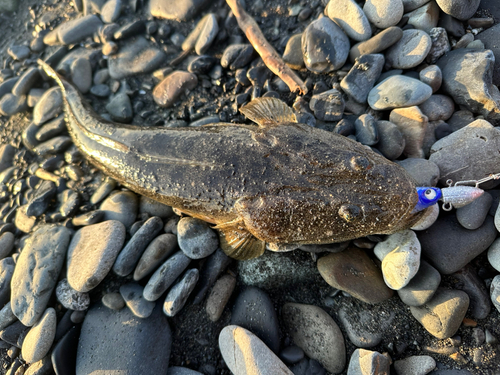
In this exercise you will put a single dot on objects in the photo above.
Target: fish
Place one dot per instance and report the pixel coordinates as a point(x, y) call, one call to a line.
point(275, 181)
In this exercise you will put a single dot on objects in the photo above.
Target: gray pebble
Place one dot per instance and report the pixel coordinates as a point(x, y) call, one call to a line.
point(120, 108)
point(132, 295)
point(101, 76)
point(7, 85)
point(363, 328)
point(51, 129)
point(413, 125)
point(366, 130)
point(203, 35)
point(11, 104)
point(70, 298)
point(237, 56)
point(350, 17)
point(6, 271)
point(39, 339)
point(196, 239)
point(74, 31)
point(81, 74)
point(179, 293)
point(155, 254)
point(438, 107)
point(168, 91)
point(459, 9)
point(6, 244)
point(398, 91)
point(113, 301)
point(53, 146)
point(111, 11)
point(100, 91)
point(18, 52)
point(468, 281)
point(88, 218)
point(210, 271)
point(292, 354)
point(410, 50)
point(391, 142)
point(494, 292)
point(415, 365)
point(219, 296)
point(421, 287)
point(368, 362)
point(41, 198)
point(423, 171)
point(106, 187)
point(121, 206)
point(328, 106)
point(109, 48)
point(7, 317)
point(473, 215)
point(292, 55)
point(130, 29)
point(29, 78)
point(362, 76)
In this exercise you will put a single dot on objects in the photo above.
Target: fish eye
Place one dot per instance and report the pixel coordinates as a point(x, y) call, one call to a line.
point(430, 194)
point(349, 212)
point(359, 163)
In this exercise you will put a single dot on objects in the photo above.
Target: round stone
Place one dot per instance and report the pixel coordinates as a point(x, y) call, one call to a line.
point(410, 50)
point(398, 91)
point(384, 13)
point(196, 239)
point(459, 9)
point(173, 86)
point(71, 298)
point(40, 337)
point(348, 15)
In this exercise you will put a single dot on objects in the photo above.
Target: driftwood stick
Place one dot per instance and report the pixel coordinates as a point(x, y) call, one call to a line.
point(269, 55)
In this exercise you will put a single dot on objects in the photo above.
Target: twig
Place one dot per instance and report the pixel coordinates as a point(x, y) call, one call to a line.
point(269, 55)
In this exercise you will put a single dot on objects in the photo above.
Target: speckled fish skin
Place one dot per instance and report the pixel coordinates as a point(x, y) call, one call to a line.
point(290, 183)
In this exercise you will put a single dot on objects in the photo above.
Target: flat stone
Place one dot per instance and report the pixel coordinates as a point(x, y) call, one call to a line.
point(413, 124)
point(440, 44)
point(196, 239)
point(468, 281)
point(113, 301)
point(180, 292)
point(467, 78)
point(237, 56)
point(421, 287)
point(219, 296)
point(36, 273)
point(81, 73)
point(92, 252)
point(473, 215)
point(459, 9)
point(424, 172)
point(6, 244)
point(410, 50)
point(49, 106)
point(40, 337)
point(355, 273)
point(349, 15)
point(424, 18)
point(111, 11)
point(11, 104)
point(25, 83)
point(118, 342)
point(132, 295)
point(410, 5)
point(7, 85)
point(383, 13)
point(240, 349)
point(7, 266)
point(334, 46)
point(449, 247)
point(438, 107)
point(362, 76)
point(121, 206)
point(443, 314)
point(327, 106)
point(391, 141)
point(175, 10)
point(398, 91)
point(203, 35)
point(368, 362)
point(489, 38)
point(415, 365)
point(155, 254)
point(364, 328)
point(18, 52)
point(377, 43)
point(313, 330)
point(292, 55)
point(172, 87)
point(74, 31)
point(137, 57)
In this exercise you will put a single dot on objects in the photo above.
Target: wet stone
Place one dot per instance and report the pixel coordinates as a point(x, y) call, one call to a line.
point(410, 50)
point(121, 206)
point(155, 254)
point(254, 310)
point(173, 86)
point(81, 74)
point(36, 272)
point(11, 104)
point(473, 215)
point(313, 330)
point(178, 295)
point(443, 314)
point(76, 30)
point(219, 296)
point(113, 301)
point(333, 46)
point(39, 339)
point(237, 56)
point(132, 295)
point(398, 91)
point(362, 76)
point(137, 57)
point(196, 239)
point(350, 17)
point(328, 106)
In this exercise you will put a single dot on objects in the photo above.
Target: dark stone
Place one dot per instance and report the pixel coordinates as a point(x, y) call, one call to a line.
point(64, 353)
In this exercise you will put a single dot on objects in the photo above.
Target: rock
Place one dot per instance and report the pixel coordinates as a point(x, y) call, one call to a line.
point(154, 208)
point(92, 252)
point(6, 158)
point(467, 78)
point(240, 348)
point(293, 52)
point(81, 73)
point(362, 76)
point(400, 256)
point(132, 295)
point(398, 91)
point(410, 5)
point(424, 18)
point(464, 41)
point(383, 13)
point(449, 247)
point(412, 123)
point(468, 153)
point(18, 52)
point(174, 10)
point(219, 296)
point(113, 301)
point(421, 287)
point(377, 43)
point(355, 273)
point(473, 215)
point(49, 106)
point(423, 171)
point(119, 342)
point(368, 362)
point(121, 206)
point(63, 355)
point(440, 44)
point(410, 50)
point(459, 9)
point(101, 91)
point(489, 38)
point(203, 35)
point(111, 11)
point(6, 271)
point(391, 142)
point(438, 107)
point(333, 42)
point(178, 295)
point(7, 85)
point(11, 104)
point(254, 310)
point(415, 365)
point(74, 31)
point(495, 292)
point(327, 106)
point(175, 370)
point(40, 337)
point(364, 328)
point(171, 88)
point(107, 186)
point(36, 273)
point(237, 56)
point(51, 129)
point(210, 271)
point(350, 17)
point(443, 314)
point(130, 29)
point(24, 84)
point(313, 330)
point(6, 244)
point(468, 281)
point(70, 298)
point(137, 57)
point(155, 254)
point(366, 130)
point(196, 239)
point(494, 254)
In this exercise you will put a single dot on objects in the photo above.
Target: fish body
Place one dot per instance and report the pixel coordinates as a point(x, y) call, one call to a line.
point(277, 182)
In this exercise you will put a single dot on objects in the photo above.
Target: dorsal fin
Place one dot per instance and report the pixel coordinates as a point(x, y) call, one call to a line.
point(268, 111)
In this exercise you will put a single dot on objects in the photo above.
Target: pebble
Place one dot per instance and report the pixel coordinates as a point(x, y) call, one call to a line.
point(383, 13)
point(111, 11)
point(7, 317)
point(74, 31)
point(63, 355)
point(173, 86)
point(241, 348)
point(313, 330)
point(494, 253)
point(467, 78)
point(203, 35)
point(7, 85)
point(196, 239)
point(118, 341)
point(391, 141)
point(154, 208)
point(24, 222)
point(398, 91)
point(495, 292)
point(410, 50)
point(92, 252)
point(70, 298)
point(292, 354)
point(53, 146)
point(6, 156)
point(459, 9)
point(12, 333)
point(101, 91)
point(109, 48)
point(377, 43)
point(468, 281)
point(11, 104)
point(136, 57)
point(424, 18)
point(36, 272)
point(438, 107)
point(175, 370)
point(350, 17)
point(362, 76)
point(156, 253)
point(366, 130)
point(81, 74)
point(219, 297)
point(327, 106)
point(468, 152)
point(132, 295)
point(178, 295)
point(334, 46)
point(443, 314)
point(6, 271)
point(237, 56)
point(440, 44)
point(415, 365)
point(292, 55)
point(130, 29)
point(254, 310)
point(464, 41)
point(106, 187)
point(175, 10)
point(342, 270)
point(364, 328)
point(423, 171)
point(410, 5)
point(201, 65)
point(6, 244)
point(121, 206)
point(368, 362)
point(26, 82)
point(412, 123)
point(41, 367)
point(40, 337)
point(113, 301)
point(51, 129)
point(400, 256)
point(120, 108)
point(210, 271)
point(89, 218)
point(421, 287)
point(165, 276)
point(49, 106)
point(473, 215)
point(18, 52)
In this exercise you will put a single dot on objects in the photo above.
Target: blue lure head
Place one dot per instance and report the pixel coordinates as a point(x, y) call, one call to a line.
point(427, 196)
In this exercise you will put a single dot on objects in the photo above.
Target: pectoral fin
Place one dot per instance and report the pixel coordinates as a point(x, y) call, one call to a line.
point(268, 112)
point(237, 242)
